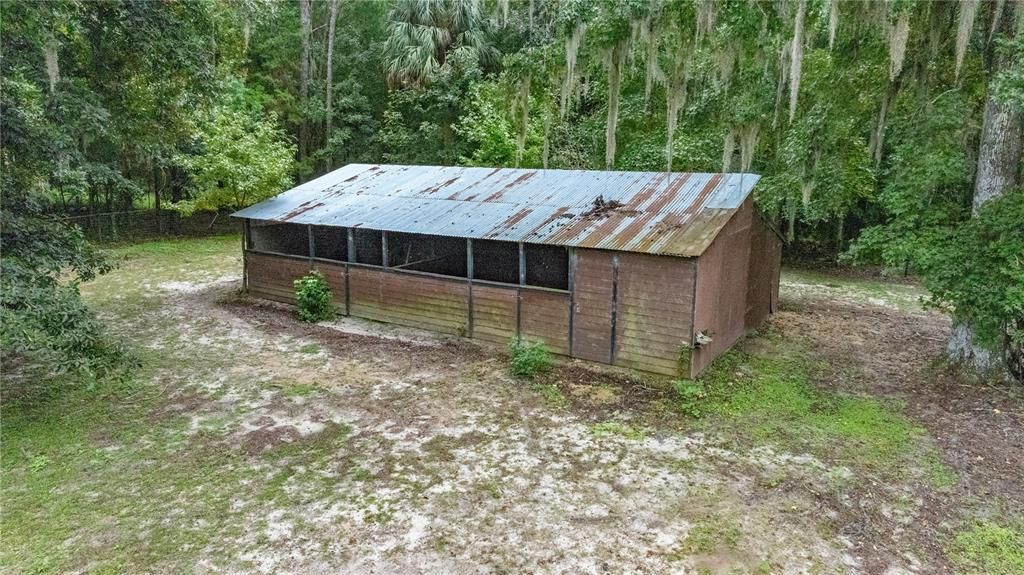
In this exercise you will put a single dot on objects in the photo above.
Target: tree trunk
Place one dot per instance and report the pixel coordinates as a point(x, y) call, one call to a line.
point(999, 160)
point(330, 78)
point(305, 19)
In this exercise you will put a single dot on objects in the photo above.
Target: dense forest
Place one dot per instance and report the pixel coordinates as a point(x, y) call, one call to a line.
point(886, 132)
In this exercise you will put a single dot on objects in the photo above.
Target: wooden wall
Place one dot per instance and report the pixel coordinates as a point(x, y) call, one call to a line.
point(334, 273)
point(763, 274)
point(593, 281)
point(272, 276)
point(653, 311)
point(657, 302)
point(414, 300)
point(721, 297)
point(651, 299)
point(544, 316)
point(494, 313)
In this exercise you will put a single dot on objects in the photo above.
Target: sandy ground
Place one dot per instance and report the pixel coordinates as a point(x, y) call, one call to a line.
point(398, 451)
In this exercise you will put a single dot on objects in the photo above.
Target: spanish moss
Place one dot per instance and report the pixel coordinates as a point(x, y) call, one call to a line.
point(968, 10)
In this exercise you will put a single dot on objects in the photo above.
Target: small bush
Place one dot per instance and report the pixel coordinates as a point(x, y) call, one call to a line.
point(527, 359)
point(314, 298)
point(690, 394)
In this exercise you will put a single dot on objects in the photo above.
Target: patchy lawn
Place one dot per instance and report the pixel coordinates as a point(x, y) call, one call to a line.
point(250, 442)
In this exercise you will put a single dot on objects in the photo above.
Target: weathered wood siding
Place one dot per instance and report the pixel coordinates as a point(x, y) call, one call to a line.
point(334, 273)
point(544, 317)
point(763, 274)
point(654, 309)
point(414, 300)
point(592, 306)
point(494, 313)
point(273, 276)
point(721, 298)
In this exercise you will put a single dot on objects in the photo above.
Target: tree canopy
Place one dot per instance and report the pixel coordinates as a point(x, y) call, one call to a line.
point(865, 119)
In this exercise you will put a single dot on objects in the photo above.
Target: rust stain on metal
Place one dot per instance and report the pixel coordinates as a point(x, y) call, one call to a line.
point(547, 221)
point(522, 178)
point(511, 222)
point(301, 209)
point(704, 193)
point(646, 193)
point(602, 231)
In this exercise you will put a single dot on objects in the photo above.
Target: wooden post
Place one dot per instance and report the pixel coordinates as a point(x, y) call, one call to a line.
point(350, 247)
point(312, 244)
point(245, 254)
point(384, 249)
point(469, 281)
point(519, 290)
point(572, 293)
point(615, 304)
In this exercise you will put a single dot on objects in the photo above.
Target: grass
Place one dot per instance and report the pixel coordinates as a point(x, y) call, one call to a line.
point(616, 428)
point(989, 549)
point(551, 394)
point(712, 535)
point(771, 400)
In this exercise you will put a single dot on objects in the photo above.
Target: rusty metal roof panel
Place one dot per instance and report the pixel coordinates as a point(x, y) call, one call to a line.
point(651, 212)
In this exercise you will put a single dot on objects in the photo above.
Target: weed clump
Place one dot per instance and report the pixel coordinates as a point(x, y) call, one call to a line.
point(314, 298)
point(527, 359)
point(689, 393)
point(990, 549)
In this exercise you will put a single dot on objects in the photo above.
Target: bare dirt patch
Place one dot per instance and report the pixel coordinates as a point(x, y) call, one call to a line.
point(883, 349)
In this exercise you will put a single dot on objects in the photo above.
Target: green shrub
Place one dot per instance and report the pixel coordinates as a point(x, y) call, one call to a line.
point(314, 297)
point(527, 359)
point(690, 393)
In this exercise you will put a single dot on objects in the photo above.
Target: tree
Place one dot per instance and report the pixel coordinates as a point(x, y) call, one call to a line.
point(47, 329)
point(422, 34)
point(305, 23)
point(243, 159)
point(999, 167)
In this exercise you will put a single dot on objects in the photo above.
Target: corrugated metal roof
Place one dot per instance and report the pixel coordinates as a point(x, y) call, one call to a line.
point(660, 213)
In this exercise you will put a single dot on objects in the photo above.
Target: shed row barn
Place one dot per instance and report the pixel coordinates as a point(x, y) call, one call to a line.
point(655, 271)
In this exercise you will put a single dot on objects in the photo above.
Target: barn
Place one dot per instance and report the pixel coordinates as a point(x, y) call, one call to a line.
point(655, 271)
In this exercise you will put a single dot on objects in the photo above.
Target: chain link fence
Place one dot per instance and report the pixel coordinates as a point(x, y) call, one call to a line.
point(138, 225)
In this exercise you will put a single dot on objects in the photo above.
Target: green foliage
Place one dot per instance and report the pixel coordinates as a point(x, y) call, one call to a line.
point(528, 359)
point(977, 271)
point(689, 394)
point(707, 536)
point(242, 159)
point(773, 401)
point(47, 329)
point(313, 297)
point(989, 549)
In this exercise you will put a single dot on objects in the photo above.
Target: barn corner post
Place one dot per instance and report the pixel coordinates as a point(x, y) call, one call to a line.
point(246, 246)
point(572, 296)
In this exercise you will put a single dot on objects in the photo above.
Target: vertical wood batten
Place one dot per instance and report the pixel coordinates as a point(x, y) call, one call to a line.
point(519, 290)
point(572, 293)
point(469, 281)
point(615, 304)
point(312, 243)
point(245, 255)
point(350, 247)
